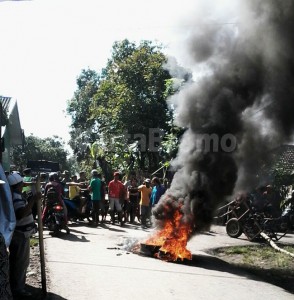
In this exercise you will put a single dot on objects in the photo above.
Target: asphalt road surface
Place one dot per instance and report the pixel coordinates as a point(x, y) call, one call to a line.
point(97, 263)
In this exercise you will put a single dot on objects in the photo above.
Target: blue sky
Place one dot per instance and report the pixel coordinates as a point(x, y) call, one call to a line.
point(46, 43)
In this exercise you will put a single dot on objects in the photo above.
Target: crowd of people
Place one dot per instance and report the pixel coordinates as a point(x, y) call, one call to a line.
point(16, 214)
point(126, 200)
point(134, 199)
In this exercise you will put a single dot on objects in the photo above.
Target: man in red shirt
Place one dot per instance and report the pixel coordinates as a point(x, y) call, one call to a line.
point(116, 190)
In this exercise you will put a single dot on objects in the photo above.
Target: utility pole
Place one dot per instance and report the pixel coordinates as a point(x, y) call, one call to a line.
point(41, 239)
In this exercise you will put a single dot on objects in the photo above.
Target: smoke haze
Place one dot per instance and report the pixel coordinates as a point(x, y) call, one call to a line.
point(244, 86)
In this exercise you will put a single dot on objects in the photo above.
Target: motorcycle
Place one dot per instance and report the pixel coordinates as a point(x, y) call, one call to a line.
point(55, 219)
point(252, 222)
point(78, 208)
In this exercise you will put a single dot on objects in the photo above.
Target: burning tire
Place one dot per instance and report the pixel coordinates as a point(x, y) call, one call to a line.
point(233, 228)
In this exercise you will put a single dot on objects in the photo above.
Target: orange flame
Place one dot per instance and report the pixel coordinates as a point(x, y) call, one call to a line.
point(173, 239)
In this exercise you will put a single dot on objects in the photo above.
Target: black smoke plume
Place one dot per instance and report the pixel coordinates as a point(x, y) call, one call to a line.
point(239, 109)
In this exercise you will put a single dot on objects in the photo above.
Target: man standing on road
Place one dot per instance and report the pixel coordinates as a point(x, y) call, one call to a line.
point(84, 192)
point(115, 191)
point(145, 190)
point(134, 201)
point(95, 191)
point(158, 190)
point(103, 198)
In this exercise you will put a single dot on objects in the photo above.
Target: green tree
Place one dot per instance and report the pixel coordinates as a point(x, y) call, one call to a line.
point(118, 110)
point(130, 102)
point(78, 108)
point(35, 148)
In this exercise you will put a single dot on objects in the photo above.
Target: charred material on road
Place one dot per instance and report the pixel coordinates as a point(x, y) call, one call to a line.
point(155, 252)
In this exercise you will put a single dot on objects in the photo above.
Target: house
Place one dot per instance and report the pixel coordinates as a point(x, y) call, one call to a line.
point(11, 131)
point(284, 158)
point(282, 168)
point(279, 170)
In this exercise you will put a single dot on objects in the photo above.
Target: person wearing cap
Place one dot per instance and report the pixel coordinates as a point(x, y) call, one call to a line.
point(145, 190)
point(19, 248)
point(116, 190)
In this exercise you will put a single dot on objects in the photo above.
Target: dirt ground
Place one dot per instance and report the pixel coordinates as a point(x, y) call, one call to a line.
point(34, 278)
point(34, 271)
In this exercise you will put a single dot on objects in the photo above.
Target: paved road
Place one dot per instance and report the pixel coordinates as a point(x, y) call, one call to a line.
point(94, 263)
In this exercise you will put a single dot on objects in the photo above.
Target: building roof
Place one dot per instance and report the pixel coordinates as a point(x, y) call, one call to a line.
point(284, 158)
point(13, 128)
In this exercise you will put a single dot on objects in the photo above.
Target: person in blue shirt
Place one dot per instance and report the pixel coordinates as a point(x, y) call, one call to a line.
point(7, 226)
point(157, 191)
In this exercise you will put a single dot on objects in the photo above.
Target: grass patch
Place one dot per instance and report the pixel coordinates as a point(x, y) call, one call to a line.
point(262, 260)
point(260, 256)
point(34, 242)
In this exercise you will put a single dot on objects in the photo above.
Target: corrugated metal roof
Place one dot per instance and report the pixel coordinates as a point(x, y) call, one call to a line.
point(284, 158)
point(13, 128)
point(5, 102)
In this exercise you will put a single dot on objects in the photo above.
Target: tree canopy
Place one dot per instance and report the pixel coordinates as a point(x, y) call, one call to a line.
point(120, 116)
point(34, 148)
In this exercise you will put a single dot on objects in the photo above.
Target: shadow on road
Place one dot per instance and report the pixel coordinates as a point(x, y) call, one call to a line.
point(213, 233)
point(70, 237)
point(214, 263)
point(39, 294)
point(51, 296)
